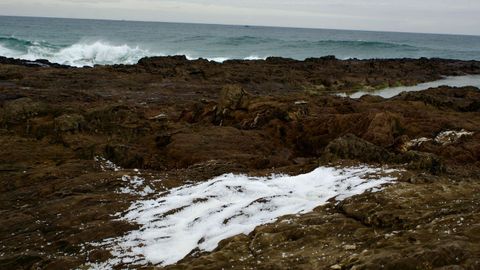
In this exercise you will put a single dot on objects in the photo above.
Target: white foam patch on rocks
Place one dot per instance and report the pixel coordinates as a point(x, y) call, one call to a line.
point(443, 138)
point(136, 186)
point(199, 216)
point(451, 136)
point(106, 164)
point(416, 142)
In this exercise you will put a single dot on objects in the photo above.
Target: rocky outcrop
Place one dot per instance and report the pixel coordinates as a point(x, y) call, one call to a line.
point(69, 135)
point(384, 128)
point(352, 147)
point(231, 99)
point(423, 161)
point(69, 123)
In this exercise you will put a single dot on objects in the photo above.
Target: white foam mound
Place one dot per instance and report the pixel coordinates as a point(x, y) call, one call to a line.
point(201, 215)
point(91, 53)
point(98, 53)
point(81, 54)
point(451, 136)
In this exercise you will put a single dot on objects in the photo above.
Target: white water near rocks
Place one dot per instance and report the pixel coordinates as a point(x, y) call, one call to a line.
point(93, 53)
point(203, 214)
point(454, 81)
point(89, 42)
point(81, 54)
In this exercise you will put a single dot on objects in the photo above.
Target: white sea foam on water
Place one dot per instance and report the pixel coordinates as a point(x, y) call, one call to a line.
point(223, 59)
point(81, 54)
point(203, 214)
point(99, 53)
point(93, 53)
point(254, 57)
point(220, 59)
point(9, 52)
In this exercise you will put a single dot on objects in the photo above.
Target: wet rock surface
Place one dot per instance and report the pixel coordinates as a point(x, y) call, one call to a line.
point(68, 136)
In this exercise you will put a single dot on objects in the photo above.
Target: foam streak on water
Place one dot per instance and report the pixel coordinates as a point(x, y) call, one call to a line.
point(201, 215)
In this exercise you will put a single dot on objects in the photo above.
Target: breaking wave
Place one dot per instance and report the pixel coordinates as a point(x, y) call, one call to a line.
point(217, 48)
point(84, 53)
point(79, 54)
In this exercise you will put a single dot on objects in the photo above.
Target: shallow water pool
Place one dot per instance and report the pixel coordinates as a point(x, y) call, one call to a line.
point(455, 81)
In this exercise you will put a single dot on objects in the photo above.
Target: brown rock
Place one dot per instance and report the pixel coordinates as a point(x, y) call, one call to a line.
point(352, 147)
point(423, 161)
point(232, 98)
point(383, 129)
point(164, 114)
point(69, 123)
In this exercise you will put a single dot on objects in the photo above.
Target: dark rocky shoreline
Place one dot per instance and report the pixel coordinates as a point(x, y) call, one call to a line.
point(183, 121)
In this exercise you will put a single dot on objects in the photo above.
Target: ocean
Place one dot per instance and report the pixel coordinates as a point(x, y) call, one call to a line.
point(88, 42)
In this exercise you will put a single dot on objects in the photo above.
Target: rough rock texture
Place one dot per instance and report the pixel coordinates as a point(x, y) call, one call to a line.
point(182, 121)
point(352, 147)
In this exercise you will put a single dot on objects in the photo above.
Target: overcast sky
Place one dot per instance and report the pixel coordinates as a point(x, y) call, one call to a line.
point(431, 16)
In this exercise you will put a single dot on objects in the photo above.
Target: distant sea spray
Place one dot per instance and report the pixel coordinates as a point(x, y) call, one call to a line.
point(90, 42)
